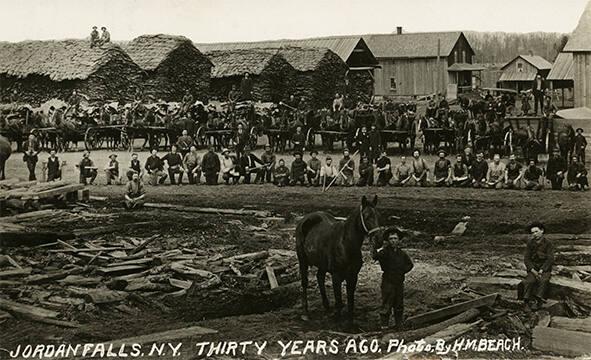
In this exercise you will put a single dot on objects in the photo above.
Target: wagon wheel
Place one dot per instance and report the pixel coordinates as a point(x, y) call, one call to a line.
point(125, 140)
point(201, 136)
point(253, 138)
point(92, 139)
point(310, 138)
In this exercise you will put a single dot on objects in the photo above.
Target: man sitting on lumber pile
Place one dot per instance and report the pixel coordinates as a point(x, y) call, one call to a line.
point(538, 259)
point(135, 194)
point(395, 263)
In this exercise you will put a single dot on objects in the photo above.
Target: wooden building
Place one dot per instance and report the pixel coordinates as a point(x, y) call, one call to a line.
point(272, 76)
point(421, 63)
point(353, 50)
point(580, 46)
point(561, 77)
point(172, 65)
point(519, 73)
point(37, 71)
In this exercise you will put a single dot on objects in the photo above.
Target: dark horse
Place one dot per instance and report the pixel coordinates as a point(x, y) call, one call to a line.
point(335, 247)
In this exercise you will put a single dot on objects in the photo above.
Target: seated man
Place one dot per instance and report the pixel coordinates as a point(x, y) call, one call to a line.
point(384, 169)
point(298, 170)
point(513, 174)
point(211, 166)
point(268, 159)
point(135, 167)
point(365, 172)
point(442, 170)
point(313, 169)
point(577, 175)
point(538, 259)
point(328, 173)
point(420, 171)
point(112, 169)
point(496, 173)
point(87, 169)
point(281, 174)
point(479, 170)
point(532, 176)
point(250, 164)
point(403, 173)
point(135, 194)
point(175, 165)
point(460, 175)
point(155, 169)
point(347, 169)
point(192, 163)
point(229, 171)
point(556, 169)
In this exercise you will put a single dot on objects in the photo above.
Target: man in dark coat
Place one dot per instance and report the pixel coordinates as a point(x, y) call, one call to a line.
point(268, 159)
point(538, 89)
point(538, 259)
point(246, 87)
point(577, 175)
point(299, 140)
point(532, 175)
point(135, 167)
point(395, 263)
point(479, 170)
point(556, 170)
point(298, 170)
point(211, 166)
point(281, 174)
point(250, 164)
point(155, 168)
point(94, 37)
point(54, 171)
point(384, 169)
point(112, 169)
point(87, 169)
point(175, 165)
point(365, 172)
point(580, 145)
point(375, 142)
point(184, 143)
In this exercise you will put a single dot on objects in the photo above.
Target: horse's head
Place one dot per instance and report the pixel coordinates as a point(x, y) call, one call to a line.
point(369, 218)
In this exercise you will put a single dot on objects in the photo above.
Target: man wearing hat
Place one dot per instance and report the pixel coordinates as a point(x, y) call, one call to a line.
point(580, 145)
point(442, 170)
point(556, 169)
point(496, 173)
point(461, 175)
point(513, 173)
point(250, 164)
point(211, 166)
point(105, 36)
point(479, 170)
point(298, 170)
point(94, 37)
point(538, 260)
point(538, 89)
point(268, 159)
point(347, 169)
point(313, 169)
point(112, 169)
point(135, 167)
point(87, 169)
point(229, 171)
point(577, 175)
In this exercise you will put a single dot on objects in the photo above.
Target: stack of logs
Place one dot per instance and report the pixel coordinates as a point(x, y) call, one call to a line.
point(31, 195)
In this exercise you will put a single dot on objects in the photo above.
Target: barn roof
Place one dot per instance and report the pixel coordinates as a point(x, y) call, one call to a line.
point(343, 46)
point(60, 60)
point(581, 38)
point(149, 51)
point(563, 67)
point(517, 76)
point(237, 62)
point(412, 45)
point(535, 60)
point(306, 59)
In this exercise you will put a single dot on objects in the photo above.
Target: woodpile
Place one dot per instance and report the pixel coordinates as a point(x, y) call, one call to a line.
point(31, 195)
point(172, 65)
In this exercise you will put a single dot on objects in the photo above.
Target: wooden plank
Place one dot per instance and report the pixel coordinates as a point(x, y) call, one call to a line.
point(453, 332)
point(99, 296)
point(170, 335)
point(182, 284)
point(435, 315)
point(45, 278)
point(121, 270)
point(13, 262)
point(98, 230)
point(75, 250)
point(562, 342)
point(145, 243)
point(144, 261)
point(15, 272)
point(565, 323)
point(26, 310)
point(53, 192)
point(271, 275)
point(193, 209)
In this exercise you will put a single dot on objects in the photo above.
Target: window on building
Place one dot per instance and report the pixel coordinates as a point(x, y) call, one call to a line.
point(456, 56)
point(392, 84)
point(520, 67)
point(464, 56)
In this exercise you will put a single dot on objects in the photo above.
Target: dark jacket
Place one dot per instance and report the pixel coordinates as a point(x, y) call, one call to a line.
point(539, 255)
point(394, 262)
point(173, 159)
point(573, 170)
point(298, 168)
point(154, 163)
point(251, 161)
point(556, 164)
point(479, 170)
point(211, 163)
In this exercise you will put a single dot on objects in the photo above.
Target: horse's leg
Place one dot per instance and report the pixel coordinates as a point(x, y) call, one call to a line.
point(321, 277)
point(304, 280)
point(351, 287)
point(338, 294)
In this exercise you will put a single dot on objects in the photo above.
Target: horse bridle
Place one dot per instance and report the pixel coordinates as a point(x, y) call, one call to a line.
point(369, 232)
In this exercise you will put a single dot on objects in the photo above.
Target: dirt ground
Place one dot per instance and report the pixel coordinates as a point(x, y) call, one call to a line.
point(440, 268)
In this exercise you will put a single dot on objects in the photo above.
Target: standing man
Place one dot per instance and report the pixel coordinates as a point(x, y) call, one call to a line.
point(240, 141)
point(246, 87)
point(442, 170)
point(184, 143)
point(233, 98)
point(298, 170)
point(313, 170)
point(192, 163)
point(403, 173)
point(461, 175)
point(538, 89)
point(375, 142)
point(175, 165)
point(384, 169)
point(362, 140)
point(538, 259)
point(54, 171)
point(347, 169)
point(580, 145)
point(268, 159)
point(87, 169)
point(395, 264)
point(365, 172)
point(577, 175)
point(31, 158)
point(556, 169)
point(135, 167)
point(112, 169)
point(496, 173)
point(135, 194)
point(211, 166)
point(532, 176)
point(420, 170)
point(513, 173)
point(328, 172)
point(155, 169)
point(478, 171)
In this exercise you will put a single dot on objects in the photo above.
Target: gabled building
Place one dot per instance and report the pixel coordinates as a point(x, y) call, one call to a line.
point(579, 45)
point(519, 73)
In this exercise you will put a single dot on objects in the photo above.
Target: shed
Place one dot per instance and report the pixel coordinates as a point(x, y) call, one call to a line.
point(36, 71)
point(519, 73)
point(172, 65)
point(273, 77)
point(579, 45)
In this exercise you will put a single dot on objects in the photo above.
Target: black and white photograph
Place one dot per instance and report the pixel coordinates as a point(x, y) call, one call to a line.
point(311, 179)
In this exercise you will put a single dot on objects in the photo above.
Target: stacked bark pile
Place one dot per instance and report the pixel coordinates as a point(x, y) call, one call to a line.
point(27, 195)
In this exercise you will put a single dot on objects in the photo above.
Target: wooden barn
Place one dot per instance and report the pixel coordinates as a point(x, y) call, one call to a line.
point(273, 78)
point(580, 46)
point(561, 77)
point(351, 49)
point(519, 73)
point(421, 63)
point(173, 66)
point(36, 71)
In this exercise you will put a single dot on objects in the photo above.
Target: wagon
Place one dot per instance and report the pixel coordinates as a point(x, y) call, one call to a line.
point(405, 138)
point(123, 136)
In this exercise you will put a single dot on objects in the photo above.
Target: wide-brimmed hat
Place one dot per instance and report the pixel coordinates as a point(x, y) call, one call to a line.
point(267, 146)
point(442, 151)
point(313, 152)
point(297, 153)
point(112, 155)
point(579, 129)
point(225, 150)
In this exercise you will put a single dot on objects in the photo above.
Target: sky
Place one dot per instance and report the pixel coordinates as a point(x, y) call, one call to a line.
point(251, 20)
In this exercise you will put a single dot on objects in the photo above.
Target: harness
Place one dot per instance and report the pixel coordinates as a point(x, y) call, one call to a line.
point(369, 232)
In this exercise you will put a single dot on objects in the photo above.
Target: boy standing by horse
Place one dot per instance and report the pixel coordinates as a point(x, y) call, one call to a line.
point(395, 263)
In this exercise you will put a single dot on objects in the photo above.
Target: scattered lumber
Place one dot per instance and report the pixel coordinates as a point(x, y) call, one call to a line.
point(45, 278)
point(18, 309)
point(565, 323)
point(250, 256)
point(30, 238)
point(15, 273)
point(435, 315)
point(176, 335)
point(145, 243)
point(271, 275)
point(75, 250)
point(99, 296)
point(562, 342)
point(453, 332)
point(182, 284)
point(121, 270)
point(193, 209)
point(98, 230)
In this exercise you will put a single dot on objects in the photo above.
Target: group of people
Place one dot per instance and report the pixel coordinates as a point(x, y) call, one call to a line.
point(98, 40)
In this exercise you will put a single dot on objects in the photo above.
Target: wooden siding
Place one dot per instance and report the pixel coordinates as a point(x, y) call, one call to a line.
point(461, 53)
point(582, 61)
point(413, 76)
